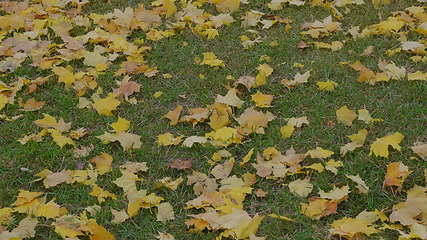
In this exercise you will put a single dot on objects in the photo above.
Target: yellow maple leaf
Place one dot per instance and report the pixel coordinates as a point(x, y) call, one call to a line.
point(420, 149)
point(361, 185)
point(230, 99)
point(264, 70)
point(222, 171)
point(101, 194)
point(318, 208)
point(127, 140)
point(6, 215)
point(98, 232)
point(168, 182)
point(327, 86)
point(397, 172)
point(50, 210)
point(254, 121)
point(60, 139)
point(52, 179)
point(357, 140)
point(25, 229)
point(3, 101)
point(365, 116)
point(210, 59)
point(157, 94)
point(190, 141)
point(121, 125)
point(103, 163)
point(165, 236)
point(287, 131)
point(334, 46)
point(301, 187)
point(66, 75)
point(262, 100)
point(351, 227)
point(68, 226)
point(226, 6)
point(165, 212)
point(119, 216)
point(27, 202)
point(380, 146)
point(50, 122)
point(173, 115)
point(220, 115)
point(333, 165)
point(127, 181)
point(319, 153)
point(168, 6)
point(167, 139)
point(418, 75)
point(95, 59)
point(316, 166)
point(298, 80)
point(246, 229)
point(104, 106)
point(346, 116)
point(336, 193)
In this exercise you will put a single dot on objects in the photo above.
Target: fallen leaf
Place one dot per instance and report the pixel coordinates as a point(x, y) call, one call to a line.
point(104, 106)
point(365, 116)
point(361, 185)
point(230, 99)
point(319, 153)
point(298, 80)
point(103, 163)
point(121, 125)
point(262, 100)
point(397, 172)
point(101, 194)
point(333, 166)
point(301, 187)
point(32, 105)
point(119, 216)
point(180, 164)
point(165, 236)
point(336, 193)
point(318, 208)
point(380, 146)
point(222, 171)
point(346, 116)
point(327, 86)
point(210, 59)
point(165, 212)
point(421, 150)
point(264, 71)
point(168, 139)
point(190, 141)
point(260, 193)
point(357, 141)
point(350, 228)
point(287, 131)
point(127, 140)
point(227, 6)
point(418, 75)
point(247, 157)
point(173, 115)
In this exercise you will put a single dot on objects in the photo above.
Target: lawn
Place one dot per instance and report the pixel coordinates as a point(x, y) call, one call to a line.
point(114, 69)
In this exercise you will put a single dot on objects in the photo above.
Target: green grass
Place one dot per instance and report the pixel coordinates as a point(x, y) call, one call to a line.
point(402, 105)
